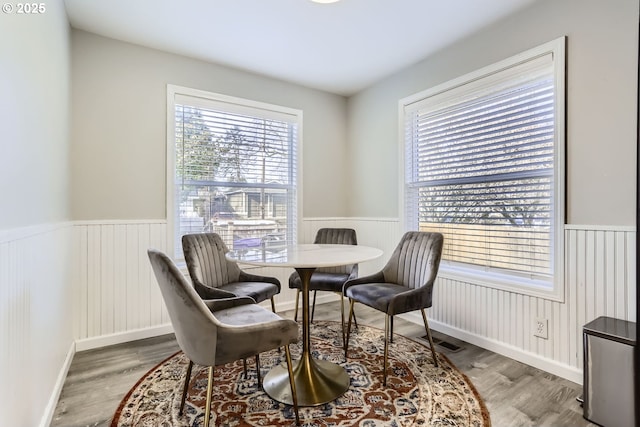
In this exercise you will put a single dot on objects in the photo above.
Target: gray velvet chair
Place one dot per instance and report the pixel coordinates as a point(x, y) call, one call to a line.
point(328, 278)
point(404, 284)
point(216, 332)
point(214, 277)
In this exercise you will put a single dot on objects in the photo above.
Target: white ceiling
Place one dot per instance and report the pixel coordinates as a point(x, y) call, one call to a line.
point(341, 47)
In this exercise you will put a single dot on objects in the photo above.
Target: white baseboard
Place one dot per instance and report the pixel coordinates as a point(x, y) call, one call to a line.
point(50, 409)
point(122, 337)
point(551, 366)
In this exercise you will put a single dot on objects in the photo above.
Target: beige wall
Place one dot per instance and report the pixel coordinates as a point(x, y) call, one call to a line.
point(34, 117)
point(119, 128)
point(118, 133)
point(602, 55)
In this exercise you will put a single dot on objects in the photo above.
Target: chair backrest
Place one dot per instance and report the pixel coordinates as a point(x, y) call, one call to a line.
point(204, 254)
point(415, 261)
point(193, 324)
point(338, 236)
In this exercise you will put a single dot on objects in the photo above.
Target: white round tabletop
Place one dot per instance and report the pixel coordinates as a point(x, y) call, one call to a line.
point(305, 255)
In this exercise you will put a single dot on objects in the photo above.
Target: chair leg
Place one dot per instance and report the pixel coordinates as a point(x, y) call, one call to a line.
point(342, 317)
point(355, 321)
point(386, 349)
point(207, 409)
point(433, 348)
point(258, 370)
point(346, 342)
point(244, 368)
point(292, 384)
point(352, 315)
point(186, 386)
point(273, 308)
point(295, 316)
point(313, 307)
point(391, 331)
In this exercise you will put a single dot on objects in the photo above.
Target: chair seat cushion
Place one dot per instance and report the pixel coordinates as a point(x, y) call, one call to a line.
point(261, 330)
point(321, 281)
point(244, 315)
point(259, 291)
point(376, 295)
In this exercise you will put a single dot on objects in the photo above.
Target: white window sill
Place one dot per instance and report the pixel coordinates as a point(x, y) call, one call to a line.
point(511, 283)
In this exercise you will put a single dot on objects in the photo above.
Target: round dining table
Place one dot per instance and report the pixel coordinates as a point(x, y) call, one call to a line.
point(317, 381)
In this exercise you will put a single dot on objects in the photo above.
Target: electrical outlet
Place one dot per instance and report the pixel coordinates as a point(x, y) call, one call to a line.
point(541, 328)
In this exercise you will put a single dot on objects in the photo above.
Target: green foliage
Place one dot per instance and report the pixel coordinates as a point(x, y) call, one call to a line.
point(196, 149)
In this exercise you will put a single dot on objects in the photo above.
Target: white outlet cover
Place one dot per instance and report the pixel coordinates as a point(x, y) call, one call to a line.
point(541, 328)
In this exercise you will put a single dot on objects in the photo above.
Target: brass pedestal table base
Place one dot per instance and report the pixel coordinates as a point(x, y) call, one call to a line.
point(317, 382)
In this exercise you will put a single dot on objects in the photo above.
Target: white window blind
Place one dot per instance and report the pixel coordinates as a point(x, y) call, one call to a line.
point(482, 167)
point(235, 171)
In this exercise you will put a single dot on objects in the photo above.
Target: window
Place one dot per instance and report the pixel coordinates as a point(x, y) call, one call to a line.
point(484, 165)
point(232, 169)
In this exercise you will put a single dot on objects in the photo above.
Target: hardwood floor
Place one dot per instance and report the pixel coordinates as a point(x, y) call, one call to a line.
point(516, 394)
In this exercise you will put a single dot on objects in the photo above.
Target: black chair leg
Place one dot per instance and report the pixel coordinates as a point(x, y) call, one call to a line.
point(342, 318)
point(295, 316)
point(186, 386)
point(351, 315)
point(258, 370)
point(346, 343)
point(313, 307)
point(391, 331)
point(355, 321)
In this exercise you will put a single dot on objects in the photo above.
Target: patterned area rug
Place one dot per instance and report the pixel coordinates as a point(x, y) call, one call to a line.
point(417, 393)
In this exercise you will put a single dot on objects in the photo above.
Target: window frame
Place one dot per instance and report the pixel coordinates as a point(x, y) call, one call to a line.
point(237, 103)
point(477, 80)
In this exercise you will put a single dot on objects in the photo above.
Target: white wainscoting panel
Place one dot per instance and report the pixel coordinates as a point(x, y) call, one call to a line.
point(116, 295)
point(35, 320)
point(115, 290)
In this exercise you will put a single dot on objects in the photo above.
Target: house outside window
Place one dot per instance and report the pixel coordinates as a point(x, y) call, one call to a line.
point(232, 169)
point(484, 165)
